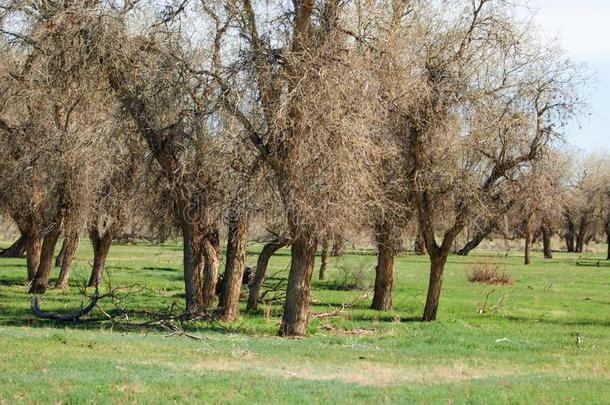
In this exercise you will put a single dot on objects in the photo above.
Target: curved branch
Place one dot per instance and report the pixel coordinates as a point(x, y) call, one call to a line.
point(68, 317)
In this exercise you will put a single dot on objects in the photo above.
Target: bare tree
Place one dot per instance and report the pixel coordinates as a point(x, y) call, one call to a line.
point(477, 102)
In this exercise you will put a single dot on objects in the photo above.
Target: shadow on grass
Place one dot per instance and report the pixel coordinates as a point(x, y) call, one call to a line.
point(170, 269)
point(584, 322)
point(384, 317)
point(13, 282)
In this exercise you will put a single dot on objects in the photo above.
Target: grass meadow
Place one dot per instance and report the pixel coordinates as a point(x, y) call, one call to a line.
point(511, 344)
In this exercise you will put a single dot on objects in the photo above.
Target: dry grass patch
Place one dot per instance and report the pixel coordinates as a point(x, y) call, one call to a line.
point(489, 273)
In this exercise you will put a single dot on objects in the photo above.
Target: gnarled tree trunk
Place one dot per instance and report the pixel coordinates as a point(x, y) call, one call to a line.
point(33, 247)
point(193, 267)
point(234, 269)
point(17, 249)
point(261, 268)
point(101, 247)
point(211, 252)
point(435, 284)
point(324, 260)
point(384, 276)
point(62, 252)
point(41, 280)
point(69, 247)
point(294, 320)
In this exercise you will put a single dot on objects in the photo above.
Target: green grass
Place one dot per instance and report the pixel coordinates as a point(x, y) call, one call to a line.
point(520, 350)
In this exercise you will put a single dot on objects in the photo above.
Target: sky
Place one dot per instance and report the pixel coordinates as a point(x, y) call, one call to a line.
point(583, 28)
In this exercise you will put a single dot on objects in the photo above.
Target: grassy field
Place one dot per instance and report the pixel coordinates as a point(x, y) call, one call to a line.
point(521, 349)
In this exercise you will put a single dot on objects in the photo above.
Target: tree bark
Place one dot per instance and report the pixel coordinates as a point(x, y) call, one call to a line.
point(101, 247)
point(33, 247)
point(435, 284)
point(528, 240)
point(69, 247)
point(384, 274)
point(60, 256)
point(294, 320)
point(261, 268)
point(234, 268)
point(41, 280)
point(17, 249)
point(546, 242)
point(193, 267)
point(324, 260)
point(211, 252)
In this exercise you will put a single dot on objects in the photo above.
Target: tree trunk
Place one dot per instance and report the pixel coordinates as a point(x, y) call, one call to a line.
point(338, 246)
point(570, 242)
point(234, 268)
point(607, 230)
point(101, 247)
point(608, 241)
point(211, 252)
point(324, 260)
point(294, 320)
point(384, 275)
point(41, 280)
point(569, 236)
point(546, 242)
point(528, 240)
point(62, 252)
point(69, 247)
point(437, 267)
point(17, 249)
point(33, 246)
point(193, 266)
point(261, 268)
point(420, 245)
point(580, 237)
point(476, 240)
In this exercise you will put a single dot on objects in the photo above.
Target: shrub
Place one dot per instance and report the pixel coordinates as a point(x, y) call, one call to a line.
point(489, 273)
point(351, 278)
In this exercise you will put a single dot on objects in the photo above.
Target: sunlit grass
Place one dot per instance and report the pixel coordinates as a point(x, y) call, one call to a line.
point(491, 344)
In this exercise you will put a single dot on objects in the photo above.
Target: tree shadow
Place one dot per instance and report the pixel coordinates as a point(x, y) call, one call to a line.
point(385, 318)
point(562, 322)
point(169, 269)
point(13, 265)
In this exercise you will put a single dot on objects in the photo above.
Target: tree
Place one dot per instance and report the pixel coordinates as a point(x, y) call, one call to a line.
point(297, 125)
point(485, 101)
point(49, 130)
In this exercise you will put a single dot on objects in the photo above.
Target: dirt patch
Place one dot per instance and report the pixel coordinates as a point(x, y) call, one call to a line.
point(361, 372)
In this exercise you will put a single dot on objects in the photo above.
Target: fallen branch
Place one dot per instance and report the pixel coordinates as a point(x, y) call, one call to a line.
point(76, 316)
point(69, 317)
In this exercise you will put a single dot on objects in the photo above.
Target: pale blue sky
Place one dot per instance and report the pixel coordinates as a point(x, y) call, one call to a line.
point(583, 28)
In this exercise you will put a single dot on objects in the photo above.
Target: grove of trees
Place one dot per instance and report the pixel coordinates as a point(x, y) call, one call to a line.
point(315, 120)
